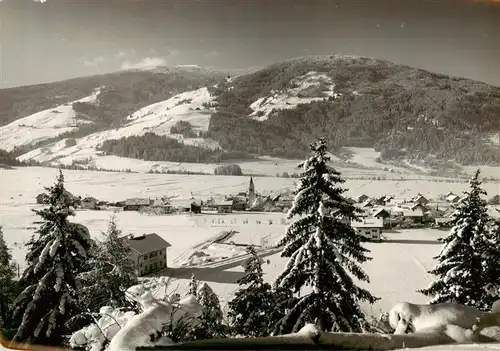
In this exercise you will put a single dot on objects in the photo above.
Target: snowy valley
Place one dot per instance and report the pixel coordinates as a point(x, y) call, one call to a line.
point(180, 194)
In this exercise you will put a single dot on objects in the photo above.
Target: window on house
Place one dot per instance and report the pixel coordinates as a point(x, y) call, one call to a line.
point(151, 267)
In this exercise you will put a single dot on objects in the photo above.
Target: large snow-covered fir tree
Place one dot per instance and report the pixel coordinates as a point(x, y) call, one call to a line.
point(469, 251)
point(110, 272)
point(55, 256)
point(249, 310)
point(323, 249)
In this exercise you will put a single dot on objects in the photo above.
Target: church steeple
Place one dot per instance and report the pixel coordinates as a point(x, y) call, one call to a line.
point(251, 193)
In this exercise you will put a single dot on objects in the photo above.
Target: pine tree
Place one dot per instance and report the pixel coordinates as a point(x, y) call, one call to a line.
point(323, 248)
point(491, 265)
point(5, 255)
point(466, 252)
point(249, 310)
point(54, 259)
point(110, 274)
point(8, 286)
point(210, 325)
point(193, 286)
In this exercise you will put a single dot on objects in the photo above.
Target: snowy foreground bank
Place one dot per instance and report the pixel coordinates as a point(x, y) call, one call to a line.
point(119, 330)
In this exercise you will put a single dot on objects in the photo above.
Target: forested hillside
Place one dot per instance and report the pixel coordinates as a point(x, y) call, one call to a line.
point(401, 111)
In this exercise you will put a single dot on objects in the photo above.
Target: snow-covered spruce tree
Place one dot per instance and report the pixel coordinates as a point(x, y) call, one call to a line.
point(193, 286)
point(249, 309)
point(5, 255)
point(8, 287)
point(210, 322)
point(54, 259)
point(491, 266)
point(323, 249)
point(466, 254)
point(110, 272)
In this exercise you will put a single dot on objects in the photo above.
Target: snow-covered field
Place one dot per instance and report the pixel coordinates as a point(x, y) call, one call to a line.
point(42, 125)
point(305, 89)
point(190, 107)
point(397, 269)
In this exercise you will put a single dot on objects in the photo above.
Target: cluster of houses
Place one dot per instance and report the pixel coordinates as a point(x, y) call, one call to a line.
point(376, 213)
point(388, 211)
point(242, 201)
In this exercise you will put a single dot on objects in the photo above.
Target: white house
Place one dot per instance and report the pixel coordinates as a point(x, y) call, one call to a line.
point(369, 228)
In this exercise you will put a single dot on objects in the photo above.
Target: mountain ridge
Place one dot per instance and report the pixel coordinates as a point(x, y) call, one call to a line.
point(403, 112)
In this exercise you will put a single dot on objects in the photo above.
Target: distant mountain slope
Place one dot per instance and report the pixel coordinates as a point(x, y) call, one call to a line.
point(124, 92)
point(192, 107)
point(406, 114)
point(401, 111)
point(43, 125)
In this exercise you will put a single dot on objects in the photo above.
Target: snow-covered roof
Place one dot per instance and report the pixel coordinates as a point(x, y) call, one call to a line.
point(371, 223)
point(147, 243)
point(137, 201)
point(184, 203)
point(380, 211)
point(452, 198)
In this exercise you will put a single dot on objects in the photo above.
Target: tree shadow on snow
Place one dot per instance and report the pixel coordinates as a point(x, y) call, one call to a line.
point(411, 241)
point(214, 275)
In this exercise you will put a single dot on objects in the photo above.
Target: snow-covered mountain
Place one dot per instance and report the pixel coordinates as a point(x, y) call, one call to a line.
point(43, 125)
point(194, 107)
point(405, 114)
point(312, 86)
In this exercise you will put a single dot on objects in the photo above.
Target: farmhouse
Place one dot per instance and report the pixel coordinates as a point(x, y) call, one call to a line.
point(416, 216)
point(190, 205)
point(420, 199)
point(381, 214)
point(224, 206)
point(135, 204)
point(370, 229)
point(240, 202)
point(149, 253)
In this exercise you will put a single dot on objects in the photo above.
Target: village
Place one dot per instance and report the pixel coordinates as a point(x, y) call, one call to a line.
point(376, 216)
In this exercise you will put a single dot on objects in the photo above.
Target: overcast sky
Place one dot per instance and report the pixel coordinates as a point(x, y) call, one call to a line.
point(68, 38)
